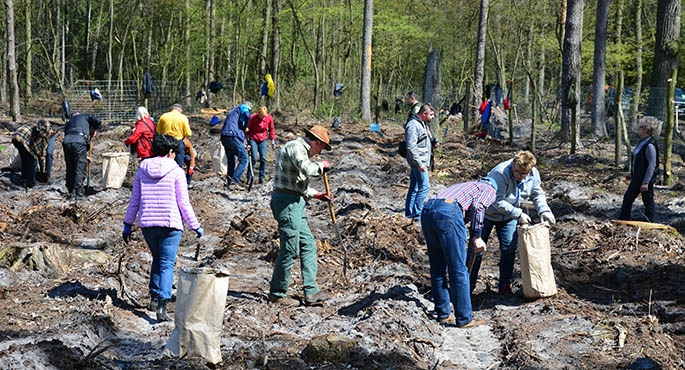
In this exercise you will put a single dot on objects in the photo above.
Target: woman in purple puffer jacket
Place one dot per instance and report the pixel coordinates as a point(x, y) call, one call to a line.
point(160, 199)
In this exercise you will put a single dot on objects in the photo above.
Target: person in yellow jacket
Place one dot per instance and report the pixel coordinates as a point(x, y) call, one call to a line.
point(175, 123)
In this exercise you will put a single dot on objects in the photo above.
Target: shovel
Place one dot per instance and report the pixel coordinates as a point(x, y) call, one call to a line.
point(89, 190)
point(250, 180)
point(337, 230)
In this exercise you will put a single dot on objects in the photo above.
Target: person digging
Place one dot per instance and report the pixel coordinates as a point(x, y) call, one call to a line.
point(294, 168)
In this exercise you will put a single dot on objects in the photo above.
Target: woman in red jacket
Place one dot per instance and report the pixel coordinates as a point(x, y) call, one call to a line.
point(260, 126)
point(143, 134)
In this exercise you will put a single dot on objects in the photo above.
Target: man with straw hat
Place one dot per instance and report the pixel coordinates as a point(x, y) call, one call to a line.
point(291, 191)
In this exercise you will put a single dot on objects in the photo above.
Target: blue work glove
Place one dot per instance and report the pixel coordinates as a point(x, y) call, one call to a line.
point(126, 234)
point(200, 232)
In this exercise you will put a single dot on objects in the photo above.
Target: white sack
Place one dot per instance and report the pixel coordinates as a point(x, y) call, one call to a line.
point(219, 160)
point(536, 261)
point(199, 314)
point(114, 167)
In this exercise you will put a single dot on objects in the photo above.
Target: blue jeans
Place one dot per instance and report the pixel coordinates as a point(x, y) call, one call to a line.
point(180, 153)
point(186, 161)
point(234, 147)
point(445, 233)
point(50, 156)
point(416, 195)
point(508, 242)
point(261, 151)
point(163, 243)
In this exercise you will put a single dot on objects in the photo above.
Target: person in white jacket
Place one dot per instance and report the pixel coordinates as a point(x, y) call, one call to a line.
point(517, 181)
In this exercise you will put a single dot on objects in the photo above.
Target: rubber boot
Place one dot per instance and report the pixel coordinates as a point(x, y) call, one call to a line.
point(161, 311)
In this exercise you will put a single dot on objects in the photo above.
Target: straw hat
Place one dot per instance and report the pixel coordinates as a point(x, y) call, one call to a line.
point(322, 134)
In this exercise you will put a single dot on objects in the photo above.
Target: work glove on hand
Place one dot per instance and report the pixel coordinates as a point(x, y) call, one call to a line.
point(548, 216)
point(126, 234)
point(191, 170)
point(273, 144)
point(326, 165)
point(200, 232)
point(324, 197)
point(524, 219)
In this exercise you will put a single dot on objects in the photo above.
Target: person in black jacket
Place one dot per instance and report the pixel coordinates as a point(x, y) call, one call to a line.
point(644, 170)
point(78, 132)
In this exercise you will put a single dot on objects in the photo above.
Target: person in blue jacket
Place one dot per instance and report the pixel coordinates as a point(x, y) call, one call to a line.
point(233, 141)
point(517, 181)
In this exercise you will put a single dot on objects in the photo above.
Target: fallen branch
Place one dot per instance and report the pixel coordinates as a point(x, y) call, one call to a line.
point(647, 225)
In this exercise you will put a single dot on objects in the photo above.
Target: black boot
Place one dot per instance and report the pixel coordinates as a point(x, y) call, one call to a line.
point(154, 303)
point(161, 311)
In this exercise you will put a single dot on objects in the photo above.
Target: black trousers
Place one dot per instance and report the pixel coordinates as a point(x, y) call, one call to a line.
point(28, 165)
point(631, 194)
point(76, 160)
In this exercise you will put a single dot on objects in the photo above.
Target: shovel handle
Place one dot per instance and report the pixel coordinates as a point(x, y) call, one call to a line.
point(328, 193)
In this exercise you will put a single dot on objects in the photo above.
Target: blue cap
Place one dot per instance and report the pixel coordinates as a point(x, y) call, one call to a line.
point(215, 121)
point(490, 181)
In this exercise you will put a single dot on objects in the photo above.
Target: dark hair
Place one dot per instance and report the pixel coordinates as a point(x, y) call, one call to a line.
point(425, 107)
point(163, 143)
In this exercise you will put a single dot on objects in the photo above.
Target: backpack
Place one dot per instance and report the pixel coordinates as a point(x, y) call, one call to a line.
point(402, 149)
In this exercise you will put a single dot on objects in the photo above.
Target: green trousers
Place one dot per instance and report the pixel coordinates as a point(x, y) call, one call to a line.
point(296, 240)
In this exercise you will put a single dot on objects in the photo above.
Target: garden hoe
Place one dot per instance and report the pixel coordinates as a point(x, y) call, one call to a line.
point(335, 224)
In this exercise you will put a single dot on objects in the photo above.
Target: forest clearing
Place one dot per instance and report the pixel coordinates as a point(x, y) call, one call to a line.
point(73, 295)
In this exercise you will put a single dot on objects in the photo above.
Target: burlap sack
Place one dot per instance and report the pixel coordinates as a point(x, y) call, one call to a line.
point(114, 167)
point(219, 160)
point(199, 314)
point(536, 261)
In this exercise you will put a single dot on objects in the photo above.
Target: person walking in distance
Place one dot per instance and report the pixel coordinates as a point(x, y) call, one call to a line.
point(259, 129)
point(233, 141)
point(419, 146)
point(159, 200)
point(291, 192)
point(643, 170)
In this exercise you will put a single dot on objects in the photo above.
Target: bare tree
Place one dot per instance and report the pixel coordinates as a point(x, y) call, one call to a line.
point(265, 36)
point(570, 75)
point(666, 51)
point(365, 89)
point(15, 112)
point(479, 66)
point(599, 70)
point(635, 105)
point(276, 51)
point(28, 65)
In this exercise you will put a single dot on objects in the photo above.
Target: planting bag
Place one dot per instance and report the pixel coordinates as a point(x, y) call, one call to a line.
point(536, 263)
point(114, 167)
point(199, 314)
point(219, 160)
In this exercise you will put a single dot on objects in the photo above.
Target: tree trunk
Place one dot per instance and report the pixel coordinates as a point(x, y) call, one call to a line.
point(365, 90)
point(618, 120)
point(431, 86)
point(599, 70)
point(570, 81)
point(635, 104)
point(186, 56)
point(265, 37)
point(276, 52)
point(479, 66)
point(669, 128)
point(665, 56)
point(86, 39)
point(318, 93)
point(96, 43)
point(28, 65)
point(15, 111)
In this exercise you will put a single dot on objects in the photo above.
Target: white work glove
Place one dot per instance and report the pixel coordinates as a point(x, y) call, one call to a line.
point(548, 216)
point(524, 218)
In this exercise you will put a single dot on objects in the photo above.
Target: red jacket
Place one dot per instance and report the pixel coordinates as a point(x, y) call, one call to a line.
point(258, 128)
point(143, 135)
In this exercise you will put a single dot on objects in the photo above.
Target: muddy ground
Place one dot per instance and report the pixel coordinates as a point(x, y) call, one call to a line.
point(73, 296)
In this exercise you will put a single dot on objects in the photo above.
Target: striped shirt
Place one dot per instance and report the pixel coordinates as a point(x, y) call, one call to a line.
point(474, 198)
point(294, 168)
